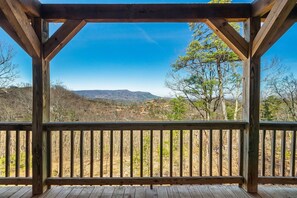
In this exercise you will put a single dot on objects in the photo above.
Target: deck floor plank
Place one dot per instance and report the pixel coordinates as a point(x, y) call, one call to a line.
point(107, 192)
point(10, 191)
point(184, 191)
point(129, 192)
point(86, 192)
point(195, 192)
point(97, 192)
point(20, 192)
point(140, 192)
point(204, 191)
point(118, 192)
point(53, 192)
point(162, 192)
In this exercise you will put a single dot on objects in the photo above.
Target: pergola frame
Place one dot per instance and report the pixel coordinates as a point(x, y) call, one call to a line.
point(27, 22)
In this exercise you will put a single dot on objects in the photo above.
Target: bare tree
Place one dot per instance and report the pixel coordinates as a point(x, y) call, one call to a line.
point(8, 72)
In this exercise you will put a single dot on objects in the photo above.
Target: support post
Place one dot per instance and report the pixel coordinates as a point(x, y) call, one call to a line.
point(41, 111)
point(251, 106)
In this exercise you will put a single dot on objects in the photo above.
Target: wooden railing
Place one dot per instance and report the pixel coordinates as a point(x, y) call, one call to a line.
point(15, 153)
point(148, 153)
point(277, 156)
point(145, 153)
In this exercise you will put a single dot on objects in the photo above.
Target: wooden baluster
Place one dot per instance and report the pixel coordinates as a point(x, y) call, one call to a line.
point(181, 139)
point(72, 154)
point(121, 153)
point(61, 154)
point(27, 154)
point(200, 152)
point(81, 154)
point(131, 153)
point(210, 152)
point(263, 152)
point(17, 153)
point(141, 153)
point(221, 153)
point(283, 153)
point(240, 146)
point(151, 153)
point(7, 154)
point(191, 154)
point(171, 154)
point(101, 153)
point(161, 153)
point(273, 140)
point(230, 152)
point(92, 154)
point(293, 154)
point(111, 154)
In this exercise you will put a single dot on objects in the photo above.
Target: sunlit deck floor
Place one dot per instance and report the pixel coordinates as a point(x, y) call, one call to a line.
point(204, 191)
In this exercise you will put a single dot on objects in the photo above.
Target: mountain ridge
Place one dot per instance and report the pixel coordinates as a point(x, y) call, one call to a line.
point(117, 95)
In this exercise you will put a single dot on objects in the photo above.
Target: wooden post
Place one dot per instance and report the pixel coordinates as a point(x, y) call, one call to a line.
point(251, 106)
point(41, 111)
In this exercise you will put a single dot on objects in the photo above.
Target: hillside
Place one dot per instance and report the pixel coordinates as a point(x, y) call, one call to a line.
point(117, 95)
point(66, 106)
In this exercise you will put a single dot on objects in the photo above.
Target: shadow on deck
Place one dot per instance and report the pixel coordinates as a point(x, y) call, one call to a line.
point(205, 191)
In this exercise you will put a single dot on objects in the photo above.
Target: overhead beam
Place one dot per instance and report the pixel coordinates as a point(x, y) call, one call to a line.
point(272, 24)
point(5, 25)
point(230, 36)
point(261, 7)
point(61, 37)
point(144, 12)
point(31, 7)
point(281, 31)
point(15, 15)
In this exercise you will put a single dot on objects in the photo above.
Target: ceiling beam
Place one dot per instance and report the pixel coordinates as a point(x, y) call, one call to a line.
point(61, 37)
point(31, 7)
point(17, 18)
point(5, 25)
point(144, 12)
point(277, 16)
point(230, 36)
point(281, 31)
point(261, 7)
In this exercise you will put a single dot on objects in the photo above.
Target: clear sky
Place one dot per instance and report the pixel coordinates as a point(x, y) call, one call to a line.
point(134, 56)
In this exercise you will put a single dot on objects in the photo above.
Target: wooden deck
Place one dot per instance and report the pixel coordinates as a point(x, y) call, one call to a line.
point(203, 191)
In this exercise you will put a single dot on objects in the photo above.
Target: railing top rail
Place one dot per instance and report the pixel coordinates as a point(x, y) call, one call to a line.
point(278, 126)
point(188, 125)
point(26, 126)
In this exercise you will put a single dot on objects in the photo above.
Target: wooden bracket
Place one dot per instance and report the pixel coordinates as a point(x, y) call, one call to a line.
point(261, 7)
point(15, 15)
point(31, 7)
point(61, 37)
point(230, 36)
point(273, 24)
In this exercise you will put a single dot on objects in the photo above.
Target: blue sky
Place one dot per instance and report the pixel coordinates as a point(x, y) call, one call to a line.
point(134, 56)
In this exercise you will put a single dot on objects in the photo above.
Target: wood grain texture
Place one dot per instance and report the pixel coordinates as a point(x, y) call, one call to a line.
point(261, 7)
point(251, 109)
point(14, 13)
point(275, 19)
point(230, 36)
point(144, 12)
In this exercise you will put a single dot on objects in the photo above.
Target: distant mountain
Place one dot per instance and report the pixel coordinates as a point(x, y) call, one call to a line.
point(117, 95)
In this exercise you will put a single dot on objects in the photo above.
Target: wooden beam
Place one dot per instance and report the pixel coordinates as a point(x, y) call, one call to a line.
point(61, 37)
point(15, 15)
point(261, 7)
point(144, 12)
point(251, 109)
point(6, 26)
point(272, 24)
point(31, 7)
point(281, 31)
point(230, 36)
point(41, 111)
